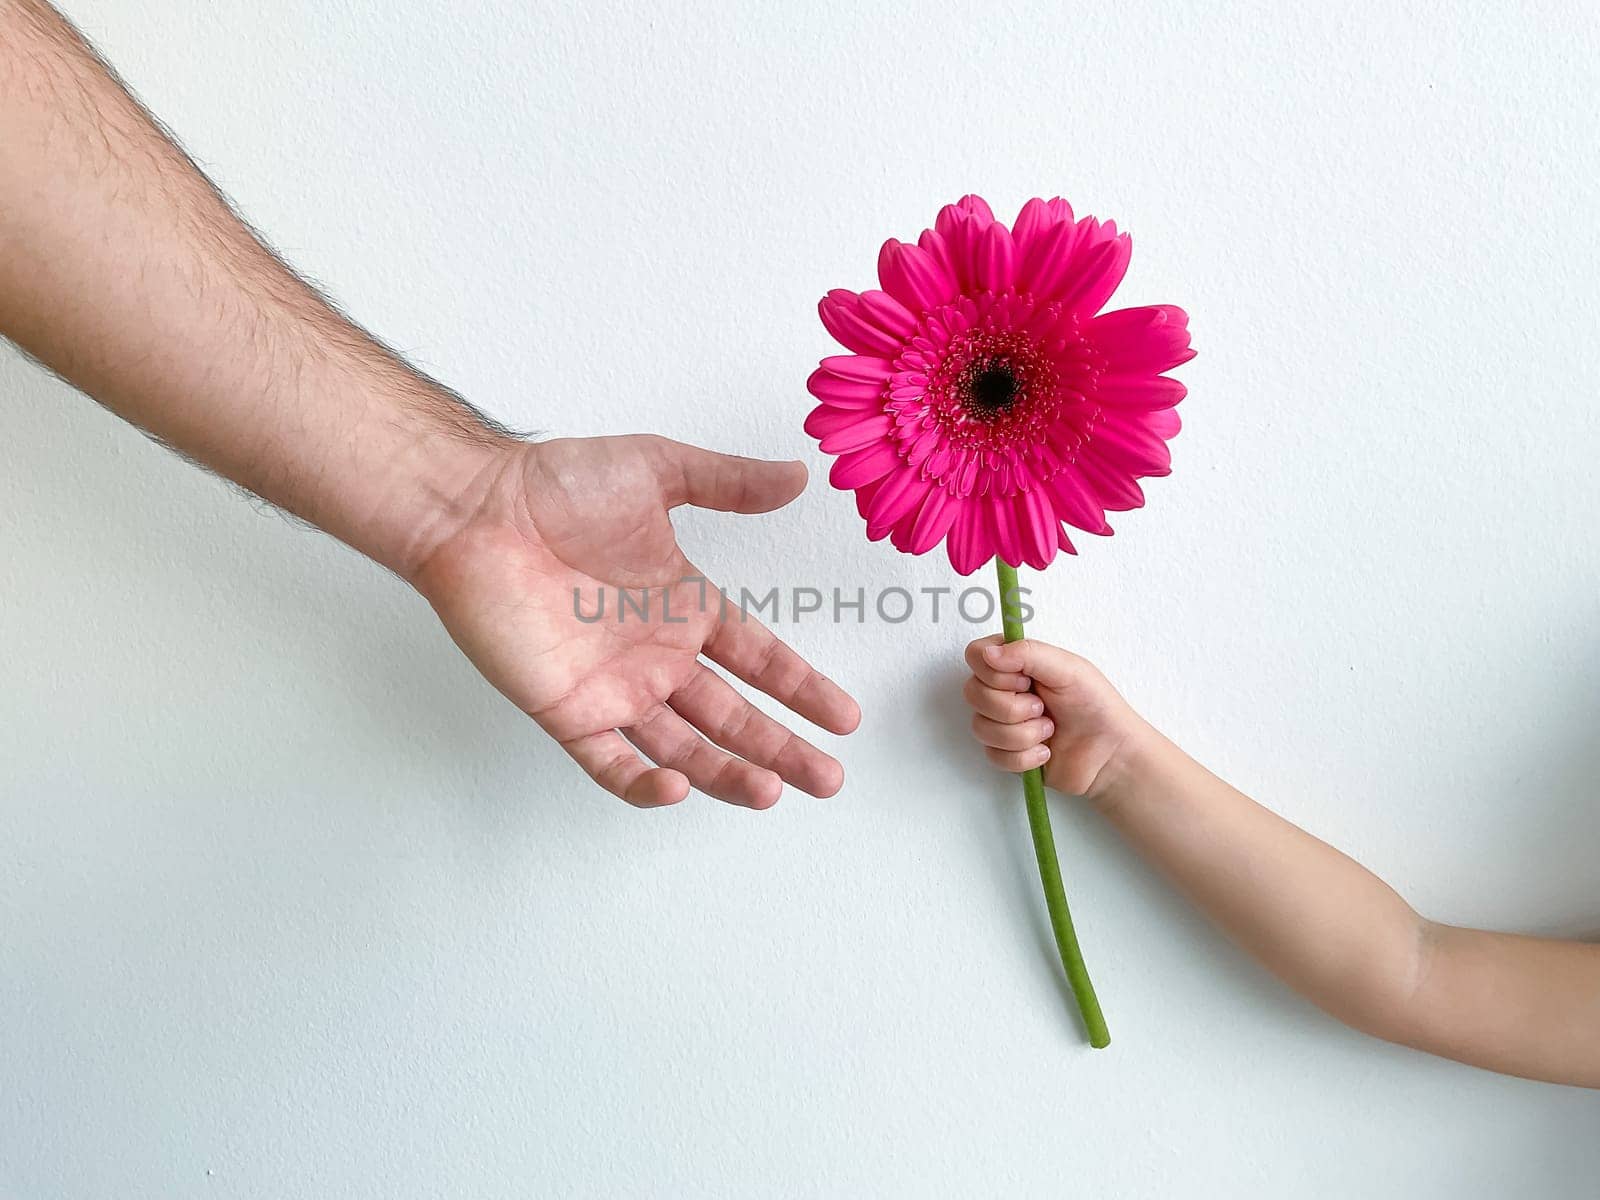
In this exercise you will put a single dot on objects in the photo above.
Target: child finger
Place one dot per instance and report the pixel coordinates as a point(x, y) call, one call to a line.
point(1018, 760)
point(1038, 661)
point(1005, 681)
point(1000, 736)
point(1007, 706)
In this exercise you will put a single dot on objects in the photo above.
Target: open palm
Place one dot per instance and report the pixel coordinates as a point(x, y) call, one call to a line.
point(571, 524)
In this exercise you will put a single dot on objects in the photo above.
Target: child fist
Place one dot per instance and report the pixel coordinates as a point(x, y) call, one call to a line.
point(1037, 705)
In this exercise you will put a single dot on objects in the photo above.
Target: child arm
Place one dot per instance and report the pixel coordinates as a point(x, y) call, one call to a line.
point(1314, 917)
point(1346, 941)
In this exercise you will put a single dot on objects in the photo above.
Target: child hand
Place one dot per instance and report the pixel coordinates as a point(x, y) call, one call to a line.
point(1072, 723)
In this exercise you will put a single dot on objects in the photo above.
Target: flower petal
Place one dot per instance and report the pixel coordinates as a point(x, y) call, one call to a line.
point(966, 546)
point(826, 419)
point(929, 440)
point(845, 393)
point(939, 511)
point(933, 243)
point(857, 467)
point(1139, 392)
point(976, 205)
point(1065, 275)
point(865, 494)
point(856, 434)
point(1036, 219)
point(1131, 446)
point(1007, 539)
point(1140, 341)
point(1036, 521)
point(901, 493)
point(1115, 489)
point(887, 313)
point(1165, 424)
point(860, 367)
point(841, 317)
point(1077, 503)
point(1095, 288)
point(962, 240)
point(914, 277)
point(968, 208)
point(1045, 260)
point(961, 227)
point(996, 264)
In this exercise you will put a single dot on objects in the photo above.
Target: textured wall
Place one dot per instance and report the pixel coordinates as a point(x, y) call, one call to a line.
point(292, 905)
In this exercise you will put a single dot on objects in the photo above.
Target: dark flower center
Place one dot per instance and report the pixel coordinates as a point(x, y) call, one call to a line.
point(992, 392)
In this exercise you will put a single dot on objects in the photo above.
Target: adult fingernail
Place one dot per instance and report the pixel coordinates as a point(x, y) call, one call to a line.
point(1049, 728)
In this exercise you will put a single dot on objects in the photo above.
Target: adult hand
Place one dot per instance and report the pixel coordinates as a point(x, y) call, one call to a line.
point(564, 522)
point(200, 335)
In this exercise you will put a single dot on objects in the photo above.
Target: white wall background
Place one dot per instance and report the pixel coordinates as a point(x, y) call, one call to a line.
point(292, 905)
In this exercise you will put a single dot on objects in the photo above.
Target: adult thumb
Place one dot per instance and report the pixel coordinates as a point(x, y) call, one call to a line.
point(727, 482)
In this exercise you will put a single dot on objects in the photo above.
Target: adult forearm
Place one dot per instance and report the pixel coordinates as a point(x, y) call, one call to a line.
point(1314, 917)
point(123, 269)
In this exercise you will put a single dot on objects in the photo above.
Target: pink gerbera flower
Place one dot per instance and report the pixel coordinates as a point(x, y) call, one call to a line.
point(984, 402)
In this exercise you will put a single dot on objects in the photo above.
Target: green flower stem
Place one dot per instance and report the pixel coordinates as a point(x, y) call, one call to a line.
point(1044, 845)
